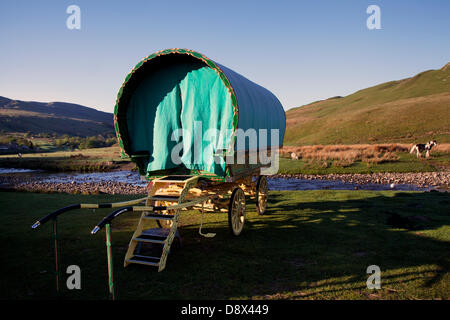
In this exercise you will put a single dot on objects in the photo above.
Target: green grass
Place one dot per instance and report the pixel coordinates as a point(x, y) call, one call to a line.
point(45, 144)
point(310, 245)
point(440, 159)
point(408, 110)
point(406, 163)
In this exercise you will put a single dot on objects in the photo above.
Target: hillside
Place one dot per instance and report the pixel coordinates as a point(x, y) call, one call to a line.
point(408, 110)
point(53, 117)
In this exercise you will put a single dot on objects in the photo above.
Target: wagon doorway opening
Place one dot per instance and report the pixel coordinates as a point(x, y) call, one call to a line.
point(173, 95)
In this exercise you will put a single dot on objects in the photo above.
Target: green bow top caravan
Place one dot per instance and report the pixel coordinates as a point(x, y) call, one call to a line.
point(179, 112)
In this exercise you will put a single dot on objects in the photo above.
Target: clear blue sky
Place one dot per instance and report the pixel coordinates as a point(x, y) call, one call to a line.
point(300, 50)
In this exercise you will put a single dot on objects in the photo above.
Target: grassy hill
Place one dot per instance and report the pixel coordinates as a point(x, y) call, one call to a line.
point(408, 110)
point(53, 117)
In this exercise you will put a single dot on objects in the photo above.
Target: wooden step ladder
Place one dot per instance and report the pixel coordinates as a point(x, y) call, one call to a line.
point(159, 236)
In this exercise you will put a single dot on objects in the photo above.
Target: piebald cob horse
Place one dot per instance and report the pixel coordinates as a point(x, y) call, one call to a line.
point(420, 147)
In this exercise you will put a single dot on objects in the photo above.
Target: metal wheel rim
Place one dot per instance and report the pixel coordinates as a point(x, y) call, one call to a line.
point(262, 195)
point(238, 212)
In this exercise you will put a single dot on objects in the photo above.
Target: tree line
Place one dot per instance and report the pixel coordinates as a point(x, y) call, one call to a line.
point(99, 141)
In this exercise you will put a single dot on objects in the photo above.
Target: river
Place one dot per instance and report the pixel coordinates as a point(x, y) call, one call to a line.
point(133, 178)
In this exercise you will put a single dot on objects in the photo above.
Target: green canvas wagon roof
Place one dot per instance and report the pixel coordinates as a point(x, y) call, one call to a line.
point(176, 89)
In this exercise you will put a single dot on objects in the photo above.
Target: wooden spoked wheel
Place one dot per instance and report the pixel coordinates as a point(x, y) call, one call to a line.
point(262, 191)
point(236, 211)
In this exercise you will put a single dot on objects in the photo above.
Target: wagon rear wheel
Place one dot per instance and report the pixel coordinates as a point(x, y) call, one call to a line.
point(262, 191)
point(236, 211)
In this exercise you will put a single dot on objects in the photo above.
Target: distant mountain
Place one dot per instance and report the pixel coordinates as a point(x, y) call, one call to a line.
point(408, 110)
point(53, 117)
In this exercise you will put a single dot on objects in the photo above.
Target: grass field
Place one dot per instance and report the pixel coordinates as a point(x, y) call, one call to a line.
point(314, 160)
point(310, 245)
point(361, 158)
point(96, 159)
point(404, 163)
point(412, 110)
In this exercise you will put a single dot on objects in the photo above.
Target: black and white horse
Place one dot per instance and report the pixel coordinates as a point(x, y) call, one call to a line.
point(420, 147)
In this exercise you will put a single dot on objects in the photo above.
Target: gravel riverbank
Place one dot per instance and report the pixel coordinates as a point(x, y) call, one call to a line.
point(421, 179)
point(37, 183)
point(26, 182)
point(82, 188)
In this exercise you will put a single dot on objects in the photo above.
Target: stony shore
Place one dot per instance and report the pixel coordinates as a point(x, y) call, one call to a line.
point(27, 183)
point(17, 183)
point(420, 179)
point(82, 188)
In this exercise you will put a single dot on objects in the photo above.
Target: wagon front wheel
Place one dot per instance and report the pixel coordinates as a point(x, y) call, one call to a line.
point(262, 191)
point(236, 211)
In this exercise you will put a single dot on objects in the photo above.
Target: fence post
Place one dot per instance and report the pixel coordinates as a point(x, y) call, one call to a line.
point(55, 237)
point(110, 261)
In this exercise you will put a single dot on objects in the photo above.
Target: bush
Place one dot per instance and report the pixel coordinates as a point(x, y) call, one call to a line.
point(16, 140)
point(85, 143)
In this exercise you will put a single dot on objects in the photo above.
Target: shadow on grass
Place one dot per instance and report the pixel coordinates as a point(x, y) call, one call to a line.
point(311, 244)
point(381, 230)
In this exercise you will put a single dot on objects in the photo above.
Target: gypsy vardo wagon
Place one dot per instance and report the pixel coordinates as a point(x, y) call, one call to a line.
point(172, 100)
